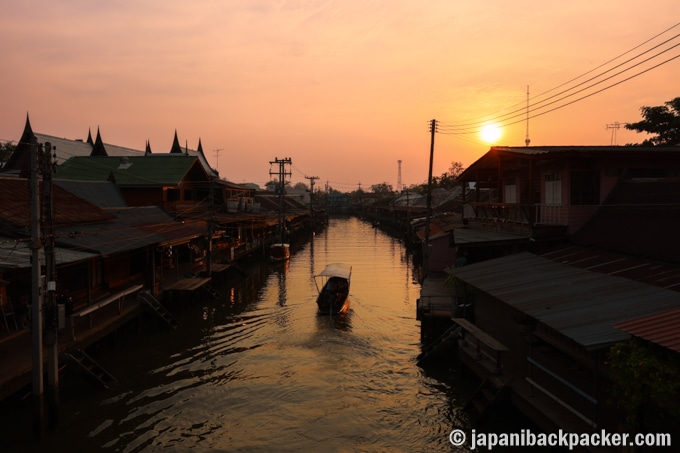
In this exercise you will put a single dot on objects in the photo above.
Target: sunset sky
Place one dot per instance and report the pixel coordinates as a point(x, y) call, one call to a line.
point(345, 88)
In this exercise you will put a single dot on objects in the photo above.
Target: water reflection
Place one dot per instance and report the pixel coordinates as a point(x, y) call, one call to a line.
point(261, 370)
point(341, 321)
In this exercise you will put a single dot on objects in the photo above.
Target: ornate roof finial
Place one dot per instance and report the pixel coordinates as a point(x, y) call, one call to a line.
point(20, 159)
point(98, 148)
point(176, 148)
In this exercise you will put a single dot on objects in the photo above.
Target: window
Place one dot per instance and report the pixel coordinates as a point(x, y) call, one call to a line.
point(510, 190)
point(553, 189)
point(585, 188)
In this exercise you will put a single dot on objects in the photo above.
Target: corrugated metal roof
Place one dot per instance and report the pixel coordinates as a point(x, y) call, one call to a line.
point(103, 194)
point(664, 275)
point(133, 228)
point(578, 303)
point(16, 254)
point(661, 328)
point(67, 148)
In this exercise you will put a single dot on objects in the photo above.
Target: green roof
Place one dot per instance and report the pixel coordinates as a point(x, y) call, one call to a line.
point(149, 170)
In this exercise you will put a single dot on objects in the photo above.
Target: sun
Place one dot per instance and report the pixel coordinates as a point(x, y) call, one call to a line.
point(491, 133)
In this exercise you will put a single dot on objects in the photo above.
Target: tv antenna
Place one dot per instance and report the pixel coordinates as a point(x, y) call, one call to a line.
point(527, 140)
point(614, 127)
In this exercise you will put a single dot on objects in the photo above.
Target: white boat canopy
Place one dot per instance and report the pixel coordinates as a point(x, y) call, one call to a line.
point(336, 270)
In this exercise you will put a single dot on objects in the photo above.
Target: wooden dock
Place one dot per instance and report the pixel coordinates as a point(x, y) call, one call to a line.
point(437, 300)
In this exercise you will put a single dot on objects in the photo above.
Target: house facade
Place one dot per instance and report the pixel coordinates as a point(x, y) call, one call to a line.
point(596, 252)
point(536, 189)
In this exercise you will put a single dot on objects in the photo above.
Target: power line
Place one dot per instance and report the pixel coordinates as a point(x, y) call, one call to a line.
point(472, 127)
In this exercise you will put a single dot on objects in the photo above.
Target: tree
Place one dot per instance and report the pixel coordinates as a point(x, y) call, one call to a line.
point(644, 380)
point(663, 122)
point(6, 150)
point(300, 186)
point(381, 188)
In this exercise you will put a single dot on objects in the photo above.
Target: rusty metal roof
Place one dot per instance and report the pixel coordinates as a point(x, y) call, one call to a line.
point(68, 208)
point(657, 273)
point(578, 303)
point(661, 328)
point(133, 228)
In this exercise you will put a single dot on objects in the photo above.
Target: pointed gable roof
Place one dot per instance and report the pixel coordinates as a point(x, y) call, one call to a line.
point(206, 165)
point(89, 137)
point(20, 160)
point(147, 151)
point(176, 148)
point(98, 148)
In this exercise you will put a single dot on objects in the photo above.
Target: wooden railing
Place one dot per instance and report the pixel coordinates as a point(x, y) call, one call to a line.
point(525, 214)
point(484, 344)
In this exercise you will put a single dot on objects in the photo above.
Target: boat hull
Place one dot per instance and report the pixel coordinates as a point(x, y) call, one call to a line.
point(333, 298)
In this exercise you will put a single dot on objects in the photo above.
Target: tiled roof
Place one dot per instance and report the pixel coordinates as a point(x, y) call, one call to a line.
point(150, 170)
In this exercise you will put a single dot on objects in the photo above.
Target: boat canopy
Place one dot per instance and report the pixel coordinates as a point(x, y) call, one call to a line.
point(336, 270)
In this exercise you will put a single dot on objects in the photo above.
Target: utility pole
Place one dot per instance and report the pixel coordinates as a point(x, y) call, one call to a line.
point(211, 227)
point(614, 127)
point(399, 188)
point(282, 173)
point(311, 197)
point(36, 297)
point(426, 244)
point(51, 307)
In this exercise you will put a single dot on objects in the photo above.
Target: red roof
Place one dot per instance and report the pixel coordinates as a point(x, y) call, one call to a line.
point(68, 208)
point(662, 328)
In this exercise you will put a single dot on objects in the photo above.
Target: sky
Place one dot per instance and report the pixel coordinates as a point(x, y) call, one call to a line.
point(344, 88)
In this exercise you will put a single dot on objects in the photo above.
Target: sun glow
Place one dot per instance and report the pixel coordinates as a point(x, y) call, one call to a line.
point(490, 133)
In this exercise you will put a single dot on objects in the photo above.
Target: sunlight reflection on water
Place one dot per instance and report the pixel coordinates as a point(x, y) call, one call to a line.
point(259, 370)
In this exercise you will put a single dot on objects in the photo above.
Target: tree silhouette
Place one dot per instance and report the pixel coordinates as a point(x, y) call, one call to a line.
point(663, 122)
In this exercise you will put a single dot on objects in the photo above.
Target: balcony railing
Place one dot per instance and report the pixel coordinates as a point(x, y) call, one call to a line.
point(524, 214)
point(502, 212)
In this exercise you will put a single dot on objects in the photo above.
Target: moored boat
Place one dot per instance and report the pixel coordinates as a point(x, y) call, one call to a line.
point(333, 287)
point(279, 251)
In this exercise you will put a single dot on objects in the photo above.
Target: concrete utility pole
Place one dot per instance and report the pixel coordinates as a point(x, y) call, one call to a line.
point(282, 173)
point(426, 243)
point(311, 197)
point(211, 228)
point(36, 296)
point(51, 307)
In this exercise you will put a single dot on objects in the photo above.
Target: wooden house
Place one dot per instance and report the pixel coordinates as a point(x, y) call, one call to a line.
point(601, 228)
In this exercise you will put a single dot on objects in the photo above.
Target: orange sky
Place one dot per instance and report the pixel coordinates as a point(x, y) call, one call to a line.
point(345, 88)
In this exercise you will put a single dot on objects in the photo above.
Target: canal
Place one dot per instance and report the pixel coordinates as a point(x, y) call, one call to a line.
point(259, 370)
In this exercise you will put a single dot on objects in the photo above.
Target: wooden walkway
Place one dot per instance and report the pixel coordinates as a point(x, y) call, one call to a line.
point(436, 299)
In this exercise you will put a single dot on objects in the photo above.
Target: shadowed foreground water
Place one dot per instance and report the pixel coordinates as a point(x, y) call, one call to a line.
point(259, 370)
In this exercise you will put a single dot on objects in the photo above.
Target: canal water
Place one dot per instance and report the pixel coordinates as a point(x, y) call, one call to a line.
point(259, 370)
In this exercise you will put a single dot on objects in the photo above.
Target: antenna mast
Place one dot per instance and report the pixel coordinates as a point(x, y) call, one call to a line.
point(527, 140)
point(613, 127)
